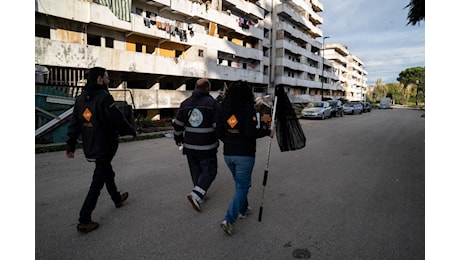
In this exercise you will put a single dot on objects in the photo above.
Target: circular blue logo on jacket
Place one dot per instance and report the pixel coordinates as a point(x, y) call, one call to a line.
point(196, 118)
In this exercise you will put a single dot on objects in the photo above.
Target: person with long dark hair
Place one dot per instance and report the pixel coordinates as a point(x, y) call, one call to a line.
point(238, 127)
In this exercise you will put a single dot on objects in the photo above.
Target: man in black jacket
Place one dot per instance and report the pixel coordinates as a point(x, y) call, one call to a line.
point(99, 123)
point(194, 130)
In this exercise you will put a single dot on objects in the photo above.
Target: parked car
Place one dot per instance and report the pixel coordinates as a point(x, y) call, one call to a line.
point(336, 107)
point(384, 106)
point(352, 108)
point(366, 106)
point(385, 103)
point(317, 109)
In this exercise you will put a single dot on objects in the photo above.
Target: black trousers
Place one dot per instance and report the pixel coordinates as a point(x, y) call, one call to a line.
point(103, 174)
point(203, 170)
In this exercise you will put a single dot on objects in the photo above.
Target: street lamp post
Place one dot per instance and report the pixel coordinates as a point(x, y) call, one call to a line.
point(362, 83)
point(322, 73)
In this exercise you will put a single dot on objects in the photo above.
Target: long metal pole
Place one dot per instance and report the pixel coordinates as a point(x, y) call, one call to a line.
point(261, 208)
point(271, 82)
point(362, 83)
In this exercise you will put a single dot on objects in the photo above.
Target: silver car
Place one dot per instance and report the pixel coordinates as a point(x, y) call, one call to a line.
point(317, 109)
point(353, 108)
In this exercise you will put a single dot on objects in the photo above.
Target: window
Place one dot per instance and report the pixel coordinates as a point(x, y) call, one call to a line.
point(142, 84)
point(94, 40)
point(42, 31)
point(109, 42)
point(168, 85)
point(200, 53)
point(150, 49)
point(138, 47)
point(265, 50)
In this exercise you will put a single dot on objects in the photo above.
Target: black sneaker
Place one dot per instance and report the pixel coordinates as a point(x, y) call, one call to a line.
point(87, 227)
point(124, 196)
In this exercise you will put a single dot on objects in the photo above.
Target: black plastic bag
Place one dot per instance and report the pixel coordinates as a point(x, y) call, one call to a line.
point(289, 132)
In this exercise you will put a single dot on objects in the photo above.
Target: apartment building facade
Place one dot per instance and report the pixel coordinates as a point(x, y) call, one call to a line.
point(349, 69)
point(156, 49)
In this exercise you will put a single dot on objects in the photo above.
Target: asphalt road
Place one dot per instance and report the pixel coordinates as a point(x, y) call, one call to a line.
point(356, 191)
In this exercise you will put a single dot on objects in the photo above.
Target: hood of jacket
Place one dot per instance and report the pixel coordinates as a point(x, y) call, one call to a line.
point(199, 93)
point(90, 90)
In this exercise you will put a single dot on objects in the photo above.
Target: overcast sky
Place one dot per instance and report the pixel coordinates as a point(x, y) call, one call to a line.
point(376, 32)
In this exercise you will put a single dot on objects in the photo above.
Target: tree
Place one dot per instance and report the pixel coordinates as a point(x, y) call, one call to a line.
point(395, 93)
point(416, 12)
point(413, 76)
point(379, 90)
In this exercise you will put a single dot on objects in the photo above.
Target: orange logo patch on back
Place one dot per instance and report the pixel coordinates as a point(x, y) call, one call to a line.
point(87, 114)
point(232, 121)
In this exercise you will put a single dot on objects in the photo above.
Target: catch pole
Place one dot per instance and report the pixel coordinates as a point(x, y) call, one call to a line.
point(268, 159)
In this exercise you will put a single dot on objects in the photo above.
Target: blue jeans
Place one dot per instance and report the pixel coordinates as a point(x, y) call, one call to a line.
point(241, 169)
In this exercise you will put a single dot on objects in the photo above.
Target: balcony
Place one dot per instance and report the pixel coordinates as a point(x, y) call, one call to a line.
point(226, 46)
point(316, 17)
point(317, 6)
point(162, 2)
point(234, 73)
point(290, 81)
point(248, 8)
point(154, 98)
point(299, 5)
point(337, 57)
point(68, 9)
point(138, 26)
point(199, 13)
point(285, 62)
point(289, 13)
point(293, 31)
point(56, 53)
point(291, 46)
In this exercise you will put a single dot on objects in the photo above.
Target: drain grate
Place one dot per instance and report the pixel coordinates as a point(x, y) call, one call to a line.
point(301, 253)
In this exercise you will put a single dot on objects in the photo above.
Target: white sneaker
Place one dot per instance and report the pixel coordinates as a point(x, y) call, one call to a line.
point(226, 227)
point(245, 214)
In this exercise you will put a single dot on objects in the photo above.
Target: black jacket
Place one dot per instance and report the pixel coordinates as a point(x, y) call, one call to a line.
point(239, 131)
point(195, 123)
point(99, 122)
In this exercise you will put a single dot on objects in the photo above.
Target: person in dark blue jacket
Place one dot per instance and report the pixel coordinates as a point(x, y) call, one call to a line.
point(238, 127)
point(194, 131)
point(99, 123)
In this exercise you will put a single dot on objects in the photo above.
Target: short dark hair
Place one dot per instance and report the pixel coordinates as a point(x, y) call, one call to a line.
point(202, 84)
point(94, 73)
